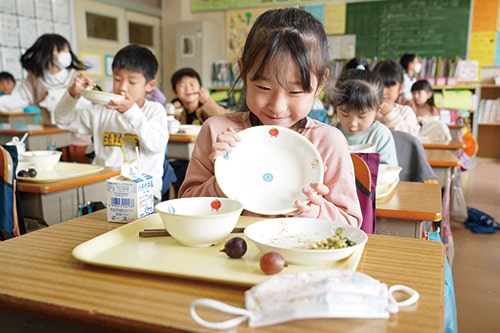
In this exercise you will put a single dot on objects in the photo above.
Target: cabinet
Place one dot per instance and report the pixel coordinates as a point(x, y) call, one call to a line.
point(197, 46)
point(488, 132)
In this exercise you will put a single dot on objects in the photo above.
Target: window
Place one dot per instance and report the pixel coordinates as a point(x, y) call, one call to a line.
point(102, 27)
point(140, 34)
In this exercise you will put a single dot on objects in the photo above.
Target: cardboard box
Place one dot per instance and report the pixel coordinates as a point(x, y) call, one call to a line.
point(129, 198)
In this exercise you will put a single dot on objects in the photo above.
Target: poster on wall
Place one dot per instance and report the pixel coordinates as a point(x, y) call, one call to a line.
point(94, 61)
point(342, 46)
point(238, 25)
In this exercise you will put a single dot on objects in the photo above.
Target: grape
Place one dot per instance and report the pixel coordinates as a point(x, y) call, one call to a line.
point(32, 172)
point(23, 173)
point(235, 247)
point(272, 263)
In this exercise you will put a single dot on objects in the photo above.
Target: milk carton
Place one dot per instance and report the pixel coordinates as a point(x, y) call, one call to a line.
point(129, 197)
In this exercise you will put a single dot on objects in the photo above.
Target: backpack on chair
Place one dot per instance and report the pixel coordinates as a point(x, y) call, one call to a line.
point(11, 212)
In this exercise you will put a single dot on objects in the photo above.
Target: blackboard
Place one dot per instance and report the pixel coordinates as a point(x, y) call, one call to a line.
point(388, 29)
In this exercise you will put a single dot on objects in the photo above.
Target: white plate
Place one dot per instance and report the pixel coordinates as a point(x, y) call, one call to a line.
point(62, 171)
point(382, 191)
point(362, 148)
point(268, 168)
point(100, 97)
point(291, 237)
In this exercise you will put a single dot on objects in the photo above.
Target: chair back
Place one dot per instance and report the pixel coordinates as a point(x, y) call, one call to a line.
point(366, 171)
point(412, 158)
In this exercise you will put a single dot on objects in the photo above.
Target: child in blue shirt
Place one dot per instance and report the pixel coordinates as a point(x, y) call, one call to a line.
point(356, 98)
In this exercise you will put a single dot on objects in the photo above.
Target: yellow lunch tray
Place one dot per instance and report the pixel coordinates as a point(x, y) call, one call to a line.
point(122, 248)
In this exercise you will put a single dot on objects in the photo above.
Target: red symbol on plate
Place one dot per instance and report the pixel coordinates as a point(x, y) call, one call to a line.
point(274, 132)
point(216, 204)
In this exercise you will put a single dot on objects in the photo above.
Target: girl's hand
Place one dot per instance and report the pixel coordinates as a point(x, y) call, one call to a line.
point(314, 195)
point(123, 105)
point(386, 107)
point(80, 82)
point(224, 143)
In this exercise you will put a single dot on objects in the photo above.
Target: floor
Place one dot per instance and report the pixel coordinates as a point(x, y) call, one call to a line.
point(476, 264)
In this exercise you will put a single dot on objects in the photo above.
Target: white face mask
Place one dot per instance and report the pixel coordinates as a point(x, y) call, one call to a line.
point(311, 294)
point(63, 60)
point(417, 67)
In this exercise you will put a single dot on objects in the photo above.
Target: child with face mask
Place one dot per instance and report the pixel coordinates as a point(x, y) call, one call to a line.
point(51, 66)
point(411, 67)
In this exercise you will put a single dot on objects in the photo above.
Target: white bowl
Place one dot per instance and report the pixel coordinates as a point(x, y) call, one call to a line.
point(21, 165)
point(189, 129)
point(291, 237)
point(388, 174)
point(199, 221)
point(362, 148)
point(42, 159)
point(100, 97)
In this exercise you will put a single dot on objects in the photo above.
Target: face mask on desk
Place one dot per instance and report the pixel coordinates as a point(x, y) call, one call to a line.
point(313, 294)
point(63, 60)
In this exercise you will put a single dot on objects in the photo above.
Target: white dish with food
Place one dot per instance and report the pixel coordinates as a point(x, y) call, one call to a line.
point(100, 97)
point(268, 168)
point(362, 148)
point(295, 239)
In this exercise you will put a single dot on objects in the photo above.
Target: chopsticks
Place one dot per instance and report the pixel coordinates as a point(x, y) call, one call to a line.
point(164, 232)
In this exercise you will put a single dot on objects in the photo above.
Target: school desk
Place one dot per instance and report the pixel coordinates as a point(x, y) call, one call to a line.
point(402, 212)
point(59, 200)
point(180, 146)
point(44, 288)
point(17, 117)
point(452, 145)
point(40, 137)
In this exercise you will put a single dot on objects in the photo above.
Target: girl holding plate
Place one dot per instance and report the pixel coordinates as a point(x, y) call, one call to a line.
point(284, 66)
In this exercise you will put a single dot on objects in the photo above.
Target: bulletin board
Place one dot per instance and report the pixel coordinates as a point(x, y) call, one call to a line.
point(388, 29)
point(23, 21)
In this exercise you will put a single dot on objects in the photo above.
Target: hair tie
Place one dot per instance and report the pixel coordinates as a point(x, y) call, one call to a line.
point(360, 67)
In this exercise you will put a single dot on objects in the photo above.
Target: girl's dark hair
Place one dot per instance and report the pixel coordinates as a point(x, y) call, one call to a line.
point(390, 71)
point(358, 90)
point(281, 35)
point(426, 86)
point(137, 59)
point(186, 71)
point(37, 58)
point(406, 59)
point(355, 62)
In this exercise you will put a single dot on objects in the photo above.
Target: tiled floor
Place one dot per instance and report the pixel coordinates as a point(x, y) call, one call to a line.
point(476, 265)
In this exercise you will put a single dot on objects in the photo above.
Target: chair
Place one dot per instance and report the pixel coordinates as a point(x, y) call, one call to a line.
point(365, 171)
point(11, 208)
point(411, 157)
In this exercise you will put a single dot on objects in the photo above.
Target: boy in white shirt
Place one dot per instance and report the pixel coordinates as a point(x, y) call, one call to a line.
point(120, 126)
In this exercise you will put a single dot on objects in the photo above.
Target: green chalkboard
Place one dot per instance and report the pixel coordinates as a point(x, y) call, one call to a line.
point(388, 29)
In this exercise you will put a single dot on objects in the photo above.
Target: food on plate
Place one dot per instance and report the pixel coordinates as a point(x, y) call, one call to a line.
point(235, 247)
point(333, 242)
point(272, 263)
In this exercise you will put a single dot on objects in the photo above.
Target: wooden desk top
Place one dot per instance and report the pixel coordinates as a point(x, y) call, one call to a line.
point(452, 145)
point(41, 278)
point(104, 174)
point(442, 158)
point(182, 138)
point(17, 113)
point(20, 129)
point(412, 201)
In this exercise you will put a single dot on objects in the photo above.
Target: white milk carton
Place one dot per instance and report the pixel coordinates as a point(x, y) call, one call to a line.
point(129, 197)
